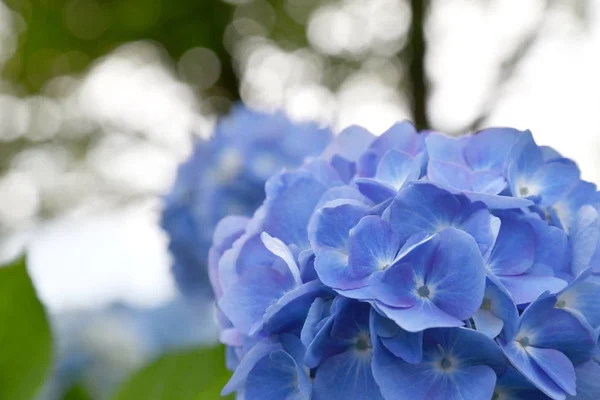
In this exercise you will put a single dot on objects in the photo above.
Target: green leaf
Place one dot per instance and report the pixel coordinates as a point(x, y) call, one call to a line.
point(76, 393)
point(195, 374)
point(25, 339)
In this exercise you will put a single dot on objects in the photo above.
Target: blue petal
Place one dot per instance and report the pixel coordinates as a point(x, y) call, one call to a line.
point(514, 251)
point(588, 381)
point(247, 300)
point(467, 346)
point(258, 352)
point(488, 182)
point(494, 202)
point(374, 190)
point(397, 167)
point(556, 178)
point(564, 212)
point(289, 313)
point(445, 148)
point(278, 248)
point(500, 315)
point(346, 376)
point(396, 286)
point(323, 346)
point(582, 299)
point(423, 315)
point(488, 323)
point(476, 382)
point(553, 328)
point(526, 288)
point(449, 174)
point(277, 377)
point(556, 365)
point(403, 344)
point(489, 148)
point(524, 159)
point(373, 246)
point(584, 238)
point(330, 226)
point(551, 250)
point(422, 208)
point(333, 271)
point(315, 315)
point(523, 362)
point(513, 386)
point(349, 143)
point(398, 379)
point(291, 200)
point(457, 275)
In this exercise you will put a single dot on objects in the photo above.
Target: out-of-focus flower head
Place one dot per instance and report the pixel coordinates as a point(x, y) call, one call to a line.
point(415, 266)
point(97, 349)
point(226, 175)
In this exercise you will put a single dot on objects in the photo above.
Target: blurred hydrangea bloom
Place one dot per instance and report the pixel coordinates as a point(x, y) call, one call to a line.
point(415, 266)
point(97, 349)
point(226, 175)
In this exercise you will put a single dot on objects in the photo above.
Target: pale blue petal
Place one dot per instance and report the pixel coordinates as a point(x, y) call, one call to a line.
point(346, 376)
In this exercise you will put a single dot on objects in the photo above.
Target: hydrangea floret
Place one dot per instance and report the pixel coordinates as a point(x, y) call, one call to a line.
point(415, 266)
point(226, 174)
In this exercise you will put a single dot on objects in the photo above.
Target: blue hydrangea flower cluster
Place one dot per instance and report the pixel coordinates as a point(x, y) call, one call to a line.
point(226, 175)
point(415, 266)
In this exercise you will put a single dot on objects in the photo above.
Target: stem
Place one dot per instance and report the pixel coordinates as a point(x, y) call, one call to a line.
point(416, 52)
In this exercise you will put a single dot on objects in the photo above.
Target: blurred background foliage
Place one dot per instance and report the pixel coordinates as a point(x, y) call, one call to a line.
point(100, 100)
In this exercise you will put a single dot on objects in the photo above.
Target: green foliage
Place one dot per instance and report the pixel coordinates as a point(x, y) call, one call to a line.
point(65, 36)
point(76, 393)
point(25, 339)
point(195, 374)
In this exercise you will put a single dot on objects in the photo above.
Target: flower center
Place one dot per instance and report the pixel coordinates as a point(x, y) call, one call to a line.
point(523, 191)
point(445, 363)
point(363, 343)
point(424, 291)
point(560, 304)
point(487, 304)
point(524, 341)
